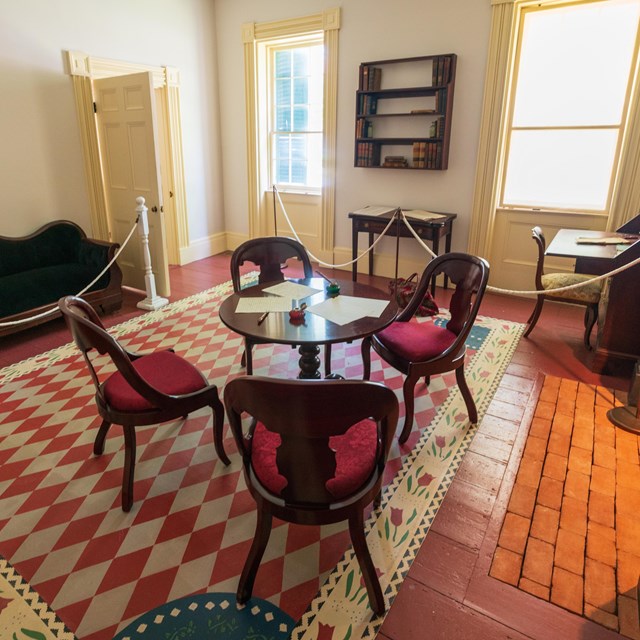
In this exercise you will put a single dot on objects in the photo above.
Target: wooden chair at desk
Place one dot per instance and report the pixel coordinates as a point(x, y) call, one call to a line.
point(588, 295)
point(269, 254)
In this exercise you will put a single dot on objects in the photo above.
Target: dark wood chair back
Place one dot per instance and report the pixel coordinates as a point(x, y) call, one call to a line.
point(541, 245)
point(469, 275)
point(184, 388)
point(269, 254)
point(305, 414)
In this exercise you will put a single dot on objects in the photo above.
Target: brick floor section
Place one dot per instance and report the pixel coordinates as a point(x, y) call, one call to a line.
point(571, 534)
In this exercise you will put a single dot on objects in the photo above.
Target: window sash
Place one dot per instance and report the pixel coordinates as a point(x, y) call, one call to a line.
point(293, 120)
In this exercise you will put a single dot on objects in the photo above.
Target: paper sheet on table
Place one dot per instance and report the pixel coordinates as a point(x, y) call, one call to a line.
point(291, 290)
point(345, 309)
point(603, 240)
point(375, 209)
point(260, 305)
point(419, 214)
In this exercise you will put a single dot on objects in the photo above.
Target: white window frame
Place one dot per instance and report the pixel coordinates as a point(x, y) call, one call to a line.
point(328, 21)
point(625, 200)
point(510, 128)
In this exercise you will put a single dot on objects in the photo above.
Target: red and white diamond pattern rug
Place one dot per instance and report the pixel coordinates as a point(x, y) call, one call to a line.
point(192, 522)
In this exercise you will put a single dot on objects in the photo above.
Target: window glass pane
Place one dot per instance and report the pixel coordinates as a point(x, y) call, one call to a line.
point(300, 61)
point(300, 118)
point(565, 169)
point(300, 91)
point(283, 92)
point(282, 159)
point(574, 64)
point(283, 119)
point(283, 63)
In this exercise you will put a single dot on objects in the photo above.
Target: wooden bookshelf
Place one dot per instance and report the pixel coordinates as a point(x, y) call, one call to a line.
point(403, 113)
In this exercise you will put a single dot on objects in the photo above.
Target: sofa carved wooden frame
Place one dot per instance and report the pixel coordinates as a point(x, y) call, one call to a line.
point(105, 300)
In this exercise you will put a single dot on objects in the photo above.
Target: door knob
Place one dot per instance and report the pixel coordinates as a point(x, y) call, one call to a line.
point(154, 209)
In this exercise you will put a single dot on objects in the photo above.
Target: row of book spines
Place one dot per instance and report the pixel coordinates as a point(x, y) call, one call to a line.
point(364, 128)
point(367, 154)
point(436, 130)
point(427, 155)
point(371, 78)
point(441, 73)
point(367, 105)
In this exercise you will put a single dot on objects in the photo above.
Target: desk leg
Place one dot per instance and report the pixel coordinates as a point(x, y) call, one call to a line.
point(370, 255)
point(309, 362)
point(447, 249)
point(435, 245)
point(354, 251)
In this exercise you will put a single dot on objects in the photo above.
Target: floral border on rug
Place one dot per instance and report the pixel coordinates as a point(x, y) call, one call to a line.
point(23, 614)
point(397, 529)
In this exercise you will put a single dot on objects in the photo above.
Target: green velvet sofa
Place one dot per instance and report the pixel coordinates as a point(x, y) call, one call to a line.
point(56, 260)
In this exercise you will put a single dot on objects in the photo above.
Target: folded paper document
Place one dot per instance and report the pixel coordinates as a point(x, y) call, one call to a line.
point(605, 240)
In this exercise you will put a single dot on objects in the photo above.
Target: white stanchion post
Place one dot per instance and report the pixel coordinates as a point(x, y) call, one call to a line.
point(153, 301)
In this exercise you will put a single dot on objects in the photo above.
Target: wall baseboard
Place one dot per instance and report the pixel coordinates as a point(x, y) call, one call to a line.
point(203, 248)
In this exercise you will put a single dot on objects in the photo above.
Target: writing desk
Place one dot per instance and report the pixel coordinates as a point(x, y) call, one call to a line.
point(315, 330)
point(618, 341)
point(430, 230)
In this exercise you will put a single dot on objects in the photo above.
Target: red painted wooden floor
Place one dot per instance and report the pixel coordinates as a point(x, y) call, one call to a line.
point(448, 592)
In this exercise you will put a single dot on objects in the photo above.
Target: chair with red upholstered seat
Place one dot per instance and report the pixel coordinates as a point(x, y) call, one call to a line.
point(270, 254)
point(419, 349)
point(314, 453)
point(145, 389)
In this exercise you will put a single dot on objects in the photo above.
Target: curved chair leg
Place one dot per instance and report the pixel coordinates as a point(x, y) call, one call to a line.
point(408, 392)
point(365, 349)
point(590, 317)
point(533, 318)
point(129, 466)
point(466, 394)
point(356, 530)
point(218, 425)
point(98, 445)
point(243, 359)
point(327, 360)
point(250, 569)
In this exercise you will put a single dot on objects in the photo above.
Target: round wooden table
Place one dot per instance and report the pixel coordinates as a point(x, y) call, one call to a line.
point(315, 330)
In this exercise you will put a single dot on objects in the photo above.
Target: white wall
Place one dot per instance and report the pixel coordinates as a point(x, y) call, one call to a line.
point(41, 170)
point(371, 30)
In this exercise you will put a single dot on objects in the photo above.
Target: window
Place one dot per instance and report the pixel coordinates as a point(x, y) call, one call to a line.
point(295, 115)
point(570, 97)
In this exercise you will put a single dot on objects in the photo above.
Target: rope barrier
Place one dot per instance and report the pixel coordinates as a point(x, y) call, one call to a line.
point(322, 262)
point(513, 292)
point(53, 309)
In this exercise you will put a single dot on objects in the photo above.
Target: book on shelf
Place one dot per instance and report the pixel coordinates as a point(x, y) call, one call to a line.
point(395, 161)
point(371, 78)
point(419, 154)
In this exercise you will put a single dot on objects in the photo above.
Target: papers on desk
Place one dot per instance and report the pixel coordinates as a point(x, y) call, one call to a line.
point(382, 209)
point(291, 290)
point(345, 309)
point(375, 209)
point(605, 240)
point(284, 293)
point(419, 214)
point(262, 304)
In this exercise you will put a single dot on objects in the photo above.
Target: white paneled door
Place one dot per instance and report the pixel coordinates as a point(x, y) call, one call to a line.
point(129, 156)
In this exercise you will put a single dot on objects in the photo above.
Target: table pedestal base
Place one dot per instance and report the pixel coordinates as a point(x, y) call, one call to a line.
point(309, 362)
